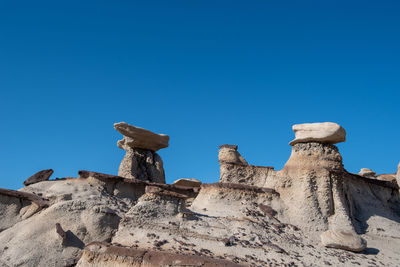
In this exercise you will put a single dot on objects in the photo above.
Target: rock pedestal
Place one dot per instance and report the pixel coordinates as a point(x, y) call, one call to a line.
point(141, 160)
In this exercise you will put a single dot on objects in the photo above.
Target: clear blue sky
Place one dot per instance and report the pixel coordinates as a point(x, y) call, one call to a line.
point(204, 72)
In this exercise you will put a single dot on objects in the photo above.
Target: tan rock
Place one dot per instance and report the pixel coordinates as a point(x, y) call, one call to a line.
point(398, 175)
point(141, 160)
point(367, 173)
point(188, 182)
point(136, 137)
point(325, 132)
point(387, 177)
point(229, 154)
point(347, 240)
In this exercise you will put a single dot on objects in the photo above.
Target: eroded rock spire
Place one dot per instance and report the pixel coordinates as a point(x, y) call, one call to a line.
point(141, 160)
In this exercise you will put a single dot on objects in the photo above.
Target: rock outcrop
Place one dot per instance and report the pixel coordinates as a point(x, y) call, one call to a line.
point(312, 212)
point(367, 173)
point(398, 175)
point(235, 169)
point(325, 132)
point(187, 182)
point(39, 177)
point(141, 160)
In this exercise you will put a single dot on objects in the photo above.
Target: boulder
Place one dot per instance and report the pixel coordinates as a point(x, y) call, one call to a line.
point(398, 175)
point(188, 182)
point(347, 240)
point(367, 173)
point(326, 132)
point(136, 137)
point(39, 177)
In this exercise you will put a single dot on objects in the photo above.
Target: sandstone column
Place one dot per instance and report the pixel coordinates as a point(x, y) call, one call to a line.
point(141, 160)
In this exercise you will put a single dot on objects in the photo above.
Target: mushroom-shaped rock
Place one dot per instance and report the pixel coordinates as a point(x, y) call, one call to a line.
point(136, 137)
point(367, 173)
point(141, 161)
point(342, 239)
point(39, 177)
point(188, 182)
point(325, 132)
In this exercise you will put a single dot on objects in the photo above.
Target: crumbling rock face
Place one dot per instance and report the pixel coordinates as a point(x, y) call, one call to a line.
point(310, 213)
point(143, 165)
point(235, 169)
point(103, 254)
point(16, 206)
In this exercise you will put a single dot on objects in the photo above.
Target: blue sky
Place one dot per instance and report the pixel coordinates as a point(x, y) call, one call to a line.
point(204, 72)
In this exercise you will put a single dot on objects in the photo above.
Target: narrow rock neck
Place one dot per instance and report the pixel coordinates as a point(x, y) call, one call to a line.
point(314, 157)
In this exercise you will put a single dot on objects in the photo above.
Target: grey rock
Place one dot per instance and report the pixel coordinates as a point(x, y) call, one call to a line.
point(346, 240)
point(143, 165)
point(141, 161)
point(39, 177)
point(136, 137)
point(325, 132)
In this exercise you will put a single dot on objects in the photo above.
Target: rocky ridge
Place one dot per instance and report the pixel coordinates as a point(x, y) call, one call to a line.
point(312, 212)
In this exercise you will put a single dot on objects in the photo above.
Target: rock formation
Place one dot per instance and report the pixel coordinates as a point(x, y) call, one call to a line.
point(326, 132)
point(38, 177)
point(312, 212)
point(398, 174)
point(141, 160)
point(188, 182)
point(367, 173)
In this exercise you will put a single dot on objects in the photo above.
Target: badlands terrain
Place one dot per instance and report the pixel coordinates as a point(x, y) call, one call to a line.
point(312, 212)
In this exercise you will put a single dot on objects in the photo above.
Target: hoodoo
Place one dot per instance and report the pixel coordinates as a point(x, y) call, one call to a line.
point(141, 160)
point(312, 212)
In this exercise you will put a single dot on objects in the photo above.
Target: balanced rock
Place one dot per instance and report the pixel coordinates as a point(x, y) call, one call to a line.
point(141, 161)
point(39, 177)
point(188, 182)
point(137, 137)
point(367, 173)
point(347, 240)
point(325, 132)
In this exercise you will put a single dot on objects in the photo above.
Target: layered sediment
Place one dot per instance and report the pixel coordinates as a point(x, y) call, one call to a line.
point(312, 212)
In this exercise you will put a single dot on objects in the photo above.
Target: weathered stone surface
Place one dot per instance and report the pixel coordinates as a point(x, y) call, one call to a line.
point(325, 132)
point(187, 182)
point(280, 222)
point(229, 154)
point(367, 173)
point(390, 177)
point(136, 137)
point(342, 239)
point(103, 254)
point(141, 164)
point(39, 177)
point(141, 161)
point(398, 175)
point(235, 169)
